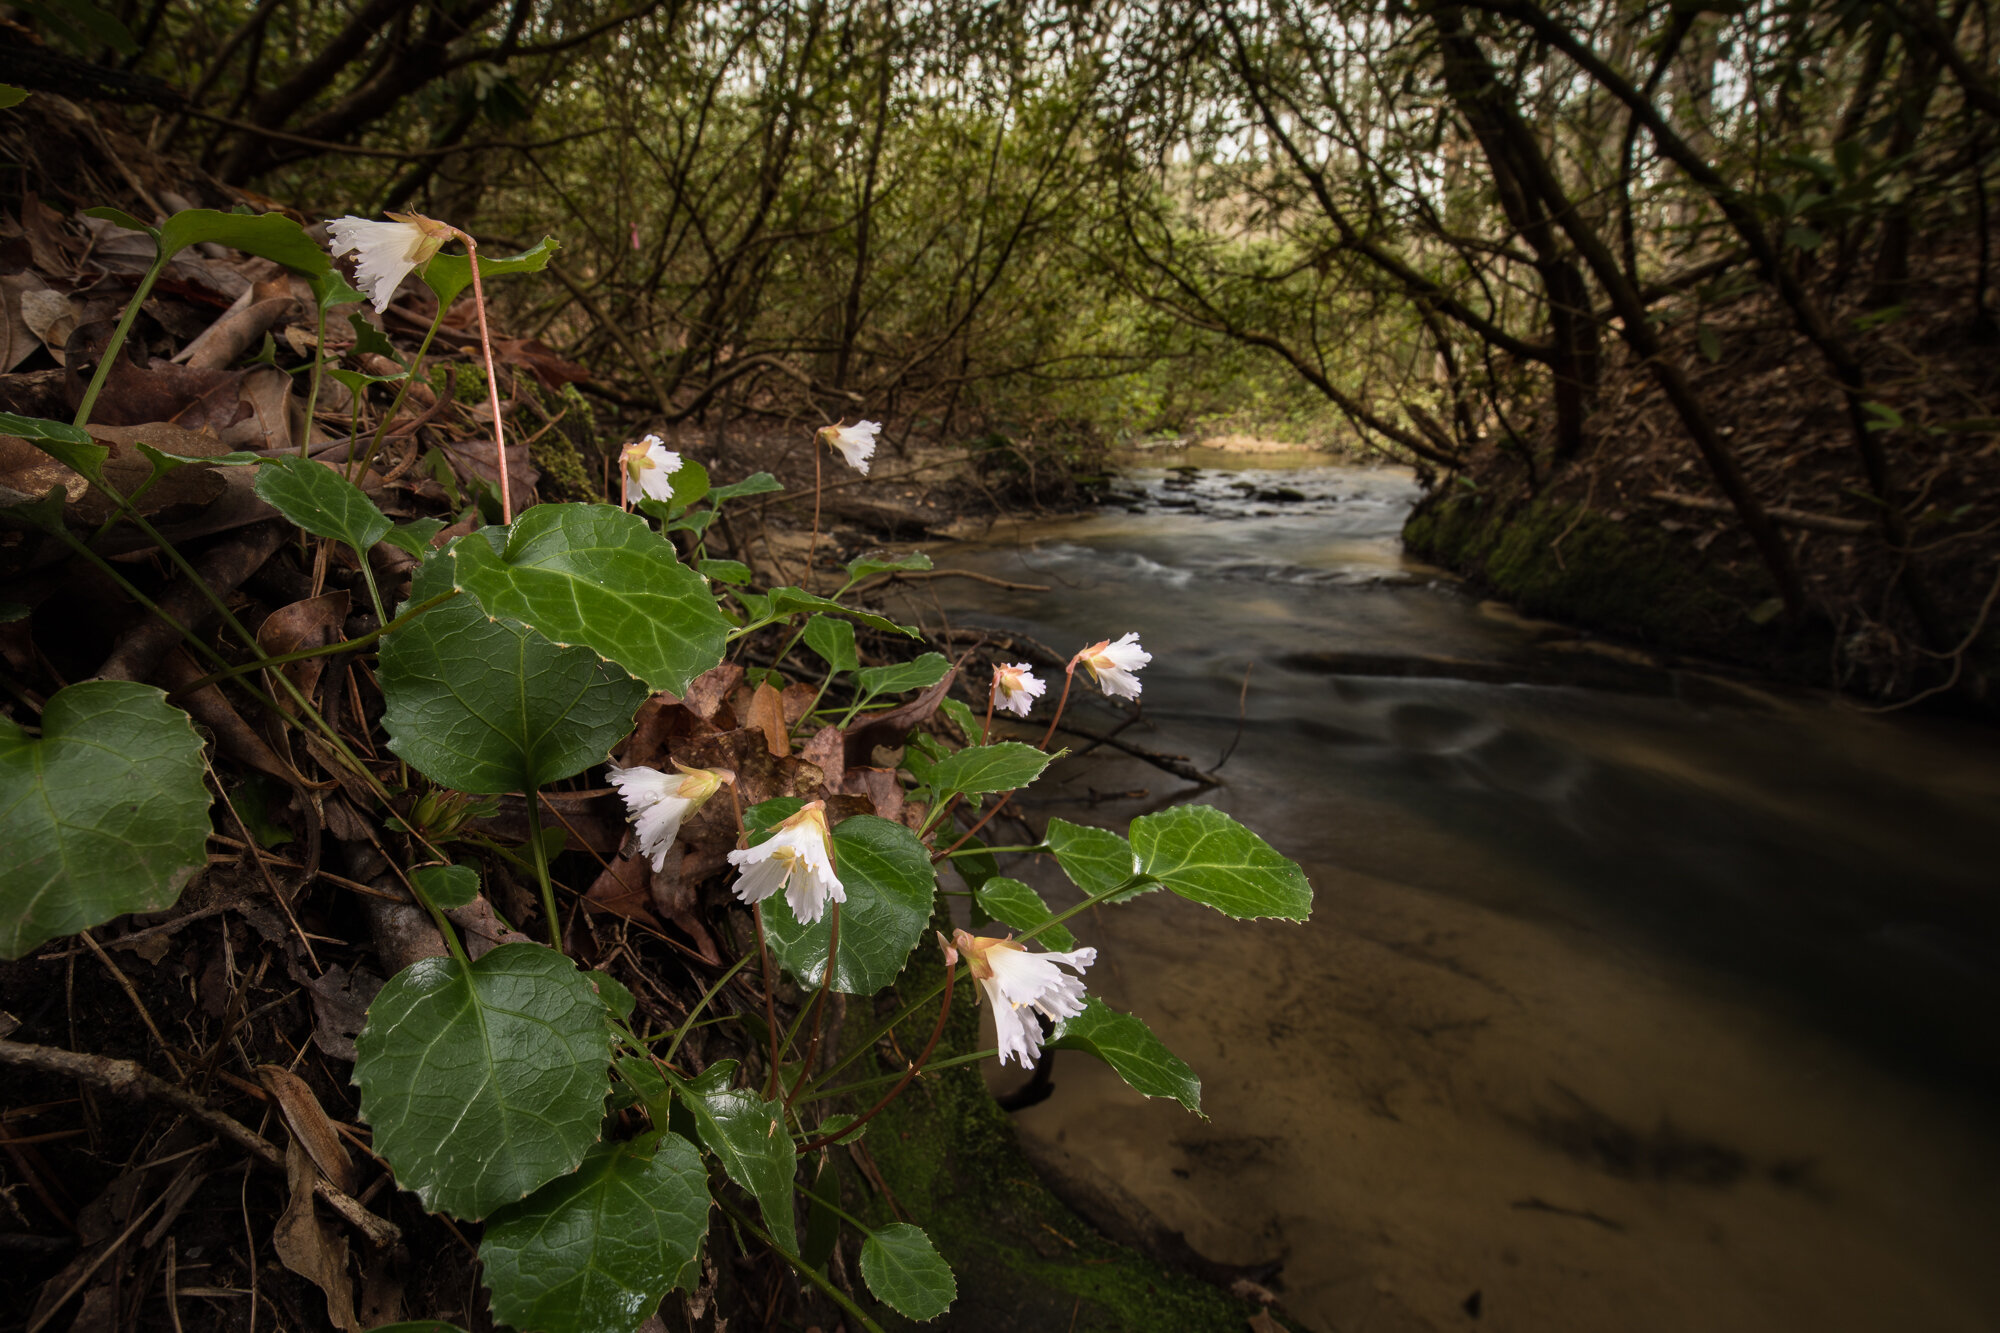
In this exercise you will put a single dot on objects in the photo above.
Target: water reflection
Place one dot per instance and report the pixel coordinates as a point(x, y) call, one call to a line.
point(1634, 999)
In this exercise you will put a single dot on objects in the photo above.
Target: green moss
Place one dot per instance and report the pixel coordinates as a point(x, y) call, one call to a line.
point(1579, 565)
point(1023, 1260)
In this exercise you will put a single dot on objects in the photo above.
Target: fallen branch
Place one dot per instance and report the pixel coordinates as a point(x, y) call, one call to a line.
point(1176, 764)
point(1784, 518)
point(127, 1079)
point(875, 581)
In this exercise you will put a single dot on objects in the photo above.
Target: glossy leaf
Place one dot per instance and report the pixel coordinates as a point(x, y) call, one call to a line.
point(905, 1272)
point(833, 640)
point(1096, 859)
point(1132, 1051)
point(1013, 903)
point(1204, 855)
point(320, 500)
point(917, 674)
point(105, 813)
point(484, 1082)
point(596, 1251)
point(757, 483)
point(976, 769)
point(747, 1135)
point(489, 706)
point(862, 566)
point(787, 601)
point(447, 887)
point(448, 275)
point(890, 888)
point(599, 577)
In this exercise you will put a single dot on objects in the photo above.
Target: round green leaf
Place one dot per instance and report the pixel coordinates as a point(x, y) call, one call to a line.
point(1133, 1052)
point(597, 576)
point(484, 1082)
point(890, 887)
point(320, 500)
point(1203, 854)
point(906, 1272)
point(595, 1251)
point(489, 706)
point(107, 813)
point(447, 887)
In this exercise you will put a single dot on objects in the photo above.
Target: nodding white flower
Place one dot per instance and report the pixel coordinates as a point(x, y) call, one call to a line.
point(798, 858)
point(657, 802)
point(1015, 688)
point(856, 443)
point(385, 252)
point(648, 465)
point(1112, 665)
point(1019, 984)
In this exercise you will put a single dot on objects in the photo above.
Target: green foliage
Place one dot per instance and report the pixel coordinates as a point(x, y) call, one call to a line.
point(1095, 859)
point(446, 887)
point(447, 275)
point(105, 813)
point(1132, 1051)
point(483, 1081)
point(904, 1270)
point(978, 769)
point(747, 1135)
point(890, 888)
point(919, 673)
point(595, 576)
point(1204, 855)
point(490, 706)
point(596, 1250)
point(1015, 904)
point(320, 500)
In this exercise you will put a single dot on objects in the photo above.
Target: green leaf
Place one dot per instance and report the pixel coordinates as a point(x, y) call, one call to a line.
point(833, 640)
point(118, 217)
point(448, 275)
point(1013, 903)
point(862, 566)
point(446, 886)
point(368, 338)
point(906, 1272)
point(1204, 855)
point(960, 713)
point(597, 576)
point(417, 1326)
point(757, 483)
point(595, 1252)
point(786, 601)
point(618, 999)
point(490, 706)
point(272, 236)
point(890, 888)
point(11, 96)
point(414, 536)
point(918, 674)
point(324, 503)
point(484, 1082)
point(1007, 766)
point(164, 462)
point(747, 1135)
point(1133, 1052)
point(764, 816)
point(689, 485)
point(69, 445)
point(725, 571)
point(1096, 859)
point(106, 813)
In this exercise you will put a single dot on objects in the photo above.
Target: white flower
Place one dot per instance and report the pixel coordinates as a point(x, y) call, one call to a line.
point(1112, 664)
point(1019, 984)
point(657, 802)
point(798, 858)
point(1015, 688)
point(856, 443)
point(385, 252)
point(648, 464)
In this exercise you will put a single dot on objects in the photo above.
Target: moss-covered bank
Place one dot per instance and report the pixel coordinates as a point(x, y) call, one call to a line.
point(1025, 1263)
point(1635, 581)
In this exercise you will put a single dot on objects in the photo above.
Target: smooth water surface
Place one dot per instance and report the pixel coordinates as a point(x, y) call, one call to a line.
point(1633, 998)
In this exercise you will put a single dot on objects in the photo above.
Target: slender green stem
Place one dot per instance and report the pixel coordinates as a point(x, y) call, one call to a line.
point(996, 851)
point(687, 1024)
point(118, 336)
point(374, 593)
point(805, 1270)
point(542, 867)
point(439, 919)
point(931, 1068)
point(312, 395)
point(325, 650)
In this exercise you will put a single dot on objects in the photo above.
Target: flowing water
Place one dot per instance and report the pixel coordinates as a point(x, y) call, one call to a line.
point(1633, 998)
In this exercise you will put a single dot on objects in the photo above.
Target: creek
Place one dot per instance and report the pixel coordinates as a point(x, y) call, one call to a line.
point(1634, 996)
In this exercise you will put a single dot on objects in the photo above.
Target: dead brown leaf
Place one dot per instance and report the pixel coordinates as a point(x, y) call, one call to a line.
point(827, 751)
point(767, 714)
point(312, 623)
point(311, 1126)
point(308, 1247)
point(624, 888)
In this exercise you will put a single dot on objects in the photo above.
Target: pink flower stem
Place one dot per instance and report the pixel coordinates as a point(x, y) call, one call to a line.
point(992, 693)
point(492, 380)
point(1069, 674)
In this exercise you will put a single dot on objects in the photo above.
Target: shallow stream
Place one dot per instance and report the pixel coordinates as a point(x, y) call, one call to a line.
point(1634, 998)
